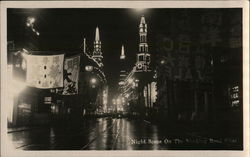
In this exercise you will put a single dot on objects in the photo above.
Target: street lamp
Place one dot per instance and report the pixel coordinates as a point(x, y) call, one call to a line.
point(162, 62)
point(93, 81)
point(88, 68)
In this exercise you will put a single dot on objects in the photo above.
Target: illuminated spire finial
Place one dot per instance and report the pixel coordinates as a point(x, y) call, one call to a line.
point(122, 53)
point(97, 36)
point(143, 20)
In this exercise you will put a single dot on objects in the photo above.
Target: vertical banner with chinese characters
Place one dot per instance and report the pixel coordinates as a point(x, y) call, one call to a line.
point(235, 40)
point(71, 75)
point(45, 71)
point(183, 54)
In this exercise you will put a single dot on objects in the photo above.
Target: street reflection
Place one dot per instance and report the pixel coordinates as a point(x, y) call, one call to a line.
point(92, 134)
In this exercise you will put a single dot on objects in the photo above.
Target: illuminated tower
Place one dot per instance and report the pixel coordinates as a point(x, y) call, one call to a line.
point(143, 57)
point(123, 69)
point(122, 57)
point(97, 53)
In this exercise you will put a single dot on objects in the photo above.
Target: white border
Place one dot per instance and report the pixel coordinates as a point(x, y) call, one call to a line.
point(5, 152)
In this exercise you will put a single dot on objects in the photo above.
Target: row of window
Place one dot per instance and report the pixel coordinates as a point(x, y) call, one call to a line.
point(143, 39)
point(143, 48)
point(142, 57)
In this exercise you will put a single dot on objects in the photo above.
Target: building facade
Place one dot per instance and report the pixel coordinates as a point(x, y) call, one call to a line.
point(199, 73)
point(138, 88)
point(84, 90)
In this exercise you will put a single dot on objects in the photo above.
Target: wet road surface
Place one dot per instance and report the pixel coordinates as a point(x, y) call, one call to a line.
point(111, 134)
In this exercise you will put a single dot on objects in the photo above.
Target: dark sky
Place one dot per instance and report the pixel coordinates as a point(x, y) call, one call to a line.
point(64, 30)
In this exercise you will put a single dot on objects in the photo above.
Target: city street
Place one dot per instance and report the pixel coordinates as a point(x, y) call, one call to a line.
point(124, 79)
point(111, 134)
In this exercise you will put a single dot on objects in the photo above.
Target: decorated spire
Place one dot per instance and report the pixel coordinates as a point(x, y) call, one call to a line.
point(122, 53)
point(143, 57)
point(143, 20)
point(97, 53)
point(97, 45)
point(97, 36)
point(143, 46)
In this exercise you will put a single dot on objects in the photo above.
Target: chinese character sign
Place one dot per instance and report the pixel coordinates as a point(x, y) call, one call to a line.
point(211, 29)
point(71, 74)
point(235, 40)
point(45, 71)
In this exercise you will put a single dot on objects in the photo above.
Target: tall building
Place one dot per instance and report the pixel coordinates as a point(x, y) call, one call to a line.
point(143, 57)
point(97, 53)
point(138, 88)
point(123, 68)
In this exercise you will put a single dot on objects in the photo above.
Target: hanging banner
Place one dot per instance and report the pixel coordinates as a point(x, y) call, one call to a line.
point(71, 75)
point(45, 71)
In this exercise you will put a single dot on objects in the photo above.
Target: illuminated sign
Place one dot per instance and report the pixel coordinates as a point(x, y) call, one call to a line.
point(179, 62)
point(234, 96)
